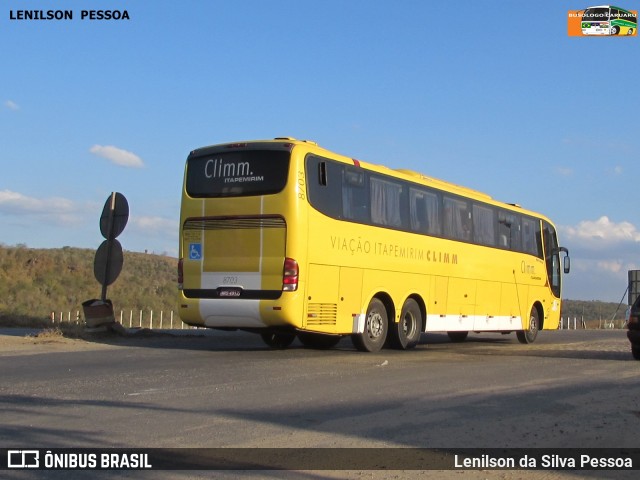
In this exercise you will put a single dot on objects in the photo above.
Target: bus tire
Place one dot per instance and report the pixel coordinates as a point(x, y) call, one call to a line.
point(615, 30)
point(278, 340)
point(318, 340)
point(376, 326)
point(529, 335)
point(635, 351)
point(457, 337)
point(406, 333)
point(630, 32)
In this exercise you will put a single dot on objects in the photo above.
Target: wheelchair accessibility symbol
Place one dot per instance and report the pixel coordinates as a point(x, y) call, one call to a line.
point(195, 251)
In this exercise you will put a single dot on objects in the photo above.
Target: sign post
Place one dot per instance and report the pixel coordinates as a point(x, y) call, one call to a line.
point(109, 259)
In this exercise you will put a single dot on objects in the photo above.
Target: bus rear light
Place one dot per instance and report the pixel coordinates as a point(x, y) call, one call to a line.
point(180, 273)
point(290, 275)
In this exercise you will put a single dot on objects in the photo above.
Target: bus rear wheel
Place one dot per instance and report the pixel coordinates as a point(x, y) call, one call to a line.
point(406, 333)
point(376, 325)
point(278, 340)
point(318, 340)
point(529, 335)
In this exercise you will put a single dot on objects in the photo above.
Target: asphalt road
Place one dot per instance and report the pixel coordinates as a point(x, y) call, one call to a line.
point(226, 389)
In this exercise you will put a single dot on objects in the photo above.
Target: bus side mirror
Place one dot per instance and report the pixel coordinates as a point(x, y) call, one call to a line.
point(566, 261)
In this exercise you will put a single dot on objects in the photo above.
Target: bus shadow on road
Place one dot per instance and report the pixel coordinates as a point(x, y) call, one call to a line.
point(432, 344)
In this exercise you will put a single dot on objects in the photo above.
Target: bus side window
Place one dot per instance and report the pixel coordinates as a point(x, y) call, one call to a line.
point(417, 211)
point(484, 225)
point(354, 195)
point(324, 179)
point(425, 212)
point(531, 237)
point(386, 199)
point(509, 231)
point(457, 219)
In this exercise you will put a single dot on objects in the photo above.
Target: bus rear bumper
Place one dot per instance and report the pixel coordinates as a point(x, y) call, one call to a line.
point(228, 313)
point(217, 313)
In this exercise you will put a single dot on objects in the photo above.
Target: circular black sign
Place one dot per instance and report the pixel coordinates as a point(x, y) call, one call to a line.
point(117, 208)
point(108, 262)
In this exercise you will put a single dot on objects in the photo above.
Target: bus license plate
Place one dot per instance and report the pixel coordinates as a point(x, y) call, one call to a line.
point(229, 292)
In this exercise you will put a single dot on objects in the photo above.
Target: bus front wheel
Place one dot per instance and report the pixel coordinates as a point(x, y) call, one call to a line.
point(376, 325)
point(406, 333)
point(278, 340)
point(529, 335)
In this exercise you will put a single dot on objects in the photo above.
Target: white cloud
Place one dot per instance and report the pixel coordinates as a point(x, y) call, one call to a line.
point(602, 251)
point(53, 209)
point(11, 105)
point(602, 231)
point(117, 155)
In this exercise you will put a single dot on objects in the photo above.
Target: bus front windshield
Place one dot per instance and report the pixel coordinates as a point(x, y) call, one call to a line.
point(598, 14)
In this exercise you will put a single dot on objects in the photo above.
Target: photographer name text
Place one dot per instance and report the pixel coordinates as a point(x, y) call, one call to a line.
point(68, 15)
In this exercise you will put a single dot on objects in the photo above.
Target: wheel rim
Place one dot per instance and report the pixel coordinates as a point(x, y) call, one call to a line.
point(533, 324)
point(408, 324)
point(375, 325)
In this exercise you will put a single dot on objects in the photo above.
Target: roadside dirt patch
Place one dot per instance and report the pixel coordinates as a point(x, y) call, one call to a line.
point(44, 341)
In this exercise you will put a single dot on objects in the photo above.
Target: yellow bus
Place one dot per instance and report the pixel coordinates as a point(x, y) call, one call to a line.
point(609, 20)
point(284, 238)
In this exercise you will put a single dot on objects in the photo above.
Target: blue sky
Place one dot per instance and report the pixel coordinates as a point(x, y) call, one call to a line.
point(493, 95)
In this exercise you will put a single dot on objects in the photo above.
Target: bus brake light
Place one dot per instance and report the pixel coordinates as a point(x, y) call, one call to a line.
point(180, 274)
point(290, 275)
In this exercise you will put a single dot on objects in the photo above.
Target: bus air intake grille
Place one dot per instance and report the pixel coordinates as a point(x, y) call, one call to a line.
point(322, 314)
point(225, 223)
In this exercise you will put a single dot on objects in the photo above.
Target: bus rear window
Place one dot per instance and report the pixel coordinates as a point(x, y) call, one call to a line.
point(237, 173)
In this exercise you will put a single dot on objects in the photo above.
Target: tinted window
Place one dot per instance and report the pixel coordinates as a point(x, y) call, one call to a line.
point(355, 197)
point(237, 173)
point(531, 242)
point(425, 211)
point(509, 231)
point(457, 219)
point(552, 258)
point(484, 230)
point(385, 202)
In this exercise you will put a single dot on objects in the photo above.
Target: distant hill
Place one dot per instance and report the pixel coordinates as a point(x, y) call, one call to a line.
point(35, 282)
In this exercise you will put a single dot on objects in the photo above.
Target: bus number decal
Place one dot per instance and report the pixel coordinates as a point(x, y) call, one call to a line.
point(301, 185)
